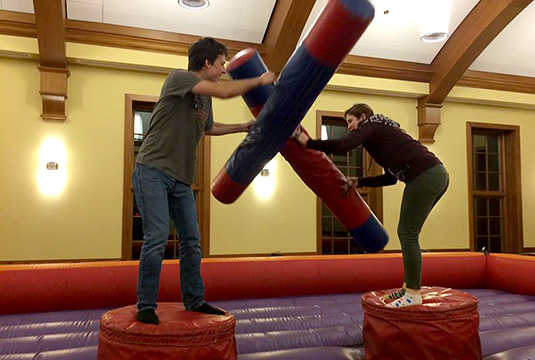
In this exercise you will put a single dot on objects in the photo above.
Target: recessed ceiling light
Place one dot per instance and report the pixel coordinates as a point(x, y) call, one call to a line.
point(194, 4)
point(434, 37)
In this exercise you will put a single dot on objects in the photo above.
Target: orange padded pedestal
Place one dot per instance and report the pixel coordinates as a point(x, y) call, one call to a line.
point(182, 334)
point(444, 327)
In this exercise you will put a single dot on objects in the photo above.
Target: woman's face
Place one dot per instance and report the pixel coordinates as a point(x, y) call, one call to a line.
point(353, 121)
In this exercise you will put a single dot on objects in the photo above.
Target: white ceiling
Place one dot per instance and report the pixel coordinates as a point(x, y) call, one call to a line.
point(241, 20)
point(396, 35)
point(390, 36)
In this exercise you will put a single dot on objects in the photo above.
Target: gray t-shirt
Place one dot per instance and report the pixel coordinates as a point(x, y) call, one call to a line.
point(177, 124)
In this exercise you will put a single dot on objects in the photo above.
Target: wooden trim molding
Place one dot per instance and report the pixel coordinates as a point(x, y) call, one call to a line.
point(494, 81)
point(385, 68)
point(126, 37)
point(428, 120)
point(53, 92)
point(17, 24)
point(21, 24)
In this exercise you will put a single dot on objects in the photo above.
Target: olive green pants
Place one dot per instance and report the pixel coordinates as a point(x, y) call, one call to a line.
point(419, 197)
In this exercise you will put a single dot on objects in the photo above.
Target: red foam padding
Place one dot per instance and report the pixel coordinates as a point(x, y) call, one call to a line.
point(32, 288)
point(513, 273)
point(447, 316)
point(324, 178)
point(457, 270)
point(225, 189)
point(181, 334)
point(334, 34)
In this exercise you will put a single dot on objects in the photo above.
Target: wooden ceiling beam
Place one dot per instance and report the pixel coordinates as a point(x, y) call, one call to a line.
point(486, 20)
point(285, 27)
point(50, 24)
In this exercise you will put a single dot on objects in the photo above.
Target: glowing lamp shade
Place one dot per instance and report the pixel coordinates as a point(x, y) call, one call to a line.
point(434, 20)
point(52, 174)
point(264, 183)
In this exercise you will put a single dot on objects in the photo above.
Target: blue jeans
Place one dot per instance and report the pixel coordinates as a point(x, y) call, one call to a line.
point(159, 197)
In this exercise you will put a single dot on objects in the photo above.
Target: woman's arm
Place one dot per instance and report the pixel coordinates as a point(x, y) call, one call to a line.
point(386, 179)
point(339, 146)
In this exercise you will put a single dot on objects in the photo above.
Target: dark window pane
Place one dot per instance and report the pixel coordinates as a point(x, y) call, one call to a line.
point(481, 164)
point(355, 157)
point(479, 142)
point(495, 244)
point(338, 131)
point(354, 248)
point(339, 229)
point(481, 207)
point(482, 226)
point(326, 247)
point(494, 181)
point(360, 172)
point(328, 131)
point(481, 181)
point(341, 247)
point(494, 162)
point(494, 207)
point(495, 226)
point(326, 226)
point(481, 243)
point(353, 172)
point(344, 170)
point(137, 229)
point(325, 210)
point(340, 160)
point(492, 143)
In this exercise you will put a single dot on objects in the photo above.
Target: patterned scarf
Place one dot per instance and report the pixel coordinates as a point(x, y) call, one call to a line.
point(381, 119)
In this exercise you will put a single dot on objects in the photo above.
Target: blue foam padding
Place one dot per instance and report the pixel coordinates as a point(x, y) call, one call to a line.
point(251, 68)
point(300, 83)
point(370, 236)
point(360, 8)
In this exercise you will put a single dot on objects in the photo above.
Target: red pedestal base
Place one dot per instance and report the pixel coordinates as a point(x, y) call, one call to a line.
point(444, 327)
point(181, 335)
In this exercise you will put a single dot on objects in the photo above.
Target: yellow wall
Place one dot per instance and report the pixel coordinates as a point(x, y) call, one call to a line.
point(85, 221)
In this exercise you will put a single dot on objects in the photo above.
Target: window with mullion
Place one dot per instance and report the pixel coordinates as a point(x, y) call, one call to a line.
point(488, 190)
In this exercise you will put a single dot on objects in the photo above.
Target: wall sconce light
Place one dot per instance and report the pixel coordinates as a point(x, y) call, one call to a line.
point(51, 165)
point(52, 178)
point(264, 183)
point(434, 20)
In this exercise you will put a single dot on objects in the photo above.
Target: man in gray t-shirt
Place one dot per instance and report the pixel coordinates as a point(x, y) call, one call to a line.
point(165, 168)
point(178, 122)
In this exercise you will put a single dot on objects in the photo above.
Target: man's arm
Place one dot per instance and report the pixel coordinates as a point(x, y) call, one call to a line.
point(223, 129)
point(228, 89)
